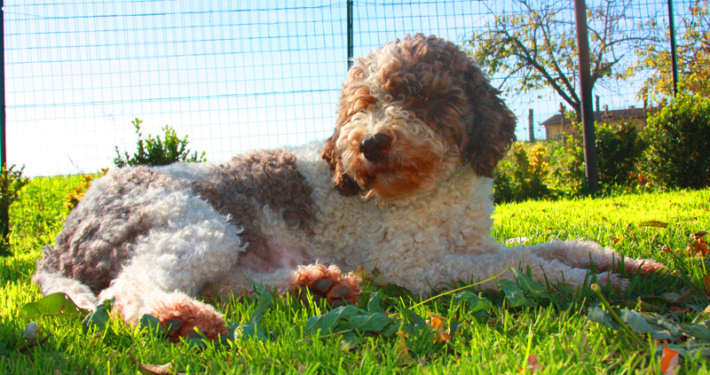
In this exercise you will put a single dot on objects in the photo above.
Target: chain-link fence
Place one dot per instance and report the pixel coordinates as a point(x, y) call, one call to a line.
point(231, 75)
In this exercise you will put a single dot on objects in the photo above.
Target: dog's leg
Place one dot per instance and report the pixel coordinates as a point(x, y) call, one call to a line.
point(323, 282)
point(328, 282)
point(555, 262)
point(171, 265)
point(586, 253)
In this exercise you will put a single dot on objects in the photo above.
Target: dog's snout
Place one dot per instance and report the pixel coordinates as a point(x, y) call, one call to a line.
point(374, 147)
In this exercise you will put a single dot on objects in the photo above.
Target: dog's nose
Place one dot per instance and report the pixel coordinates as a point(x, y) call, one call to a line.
point(375, 146)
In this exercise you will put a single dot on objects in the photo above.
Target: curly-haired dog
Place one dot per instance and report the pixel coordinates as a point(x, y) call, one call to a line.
point(402, 186)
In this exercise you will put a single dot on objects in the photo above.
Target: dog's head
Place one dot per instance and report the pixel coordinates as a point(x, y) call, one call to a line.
point(410, 114)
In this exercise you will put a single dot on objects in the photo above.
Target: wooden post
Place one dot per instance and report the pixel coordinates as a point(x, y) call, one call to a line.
point(590, 153)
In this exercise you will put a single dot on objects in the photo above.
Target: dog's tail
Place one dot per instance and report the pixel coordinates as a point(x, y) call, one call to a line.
point(51, 280)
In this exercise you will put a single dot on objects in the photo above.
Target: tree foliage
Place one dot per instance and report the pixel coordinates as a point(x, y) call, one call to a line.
point(693, 53)
point(537, 47)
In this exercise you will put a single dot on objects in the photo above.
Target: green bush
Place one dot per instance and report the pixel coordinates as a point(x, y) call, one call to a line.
point(619, 150)
point(678, 136)
point(522, 175)
point(154, 151)
point(11, 182)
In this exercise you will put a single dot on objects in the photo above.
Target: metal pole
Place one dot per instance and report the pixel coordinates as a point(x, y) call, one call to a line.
point(531, 129)
point(3, 148)
point(4, 214)
point(590, 153)
point(351, 43)
point(674, 53)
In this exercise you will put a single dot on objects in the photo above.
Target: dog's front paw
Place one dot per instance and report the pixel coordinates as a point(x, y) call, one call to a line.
point(613, 279)
point(180, 316)
point(329, 283)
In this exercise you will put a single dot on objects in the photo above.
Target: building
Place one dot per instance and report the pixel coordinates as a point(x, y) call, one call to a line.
point(557, 125)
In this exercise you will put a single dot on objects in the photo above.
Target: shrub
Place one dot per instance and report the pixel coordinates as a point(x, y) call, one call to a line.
point(521, 176)
point(78, 191)
point(678, 136)
point(619, 149)
point(11, 182)
point(154, 151)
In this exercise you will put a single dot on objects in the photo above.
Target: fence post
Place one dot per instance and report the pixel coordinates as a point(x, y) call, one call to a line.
point(590, 152)
point(351, 43)
point(674, 54)
point(531, 129)
point(4, 214)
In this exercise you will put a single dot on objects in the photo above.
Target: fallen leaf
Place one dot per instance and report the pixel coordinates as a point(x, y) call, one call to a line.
point(30, 333)
point(614, 240)
point(155, 369)
point(437, 323)
point(669, 361)
point(654, 224)
point(706, 281)
point(698, 246)
point(533, 364)
point(401, 347)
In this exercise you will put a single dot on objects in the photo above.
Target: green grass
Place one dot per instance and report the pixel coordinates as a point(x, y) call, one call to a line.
point(499, 340)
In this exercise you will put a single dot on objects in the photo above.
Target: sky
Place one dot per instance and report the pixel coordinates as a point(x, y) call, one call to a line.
point(233, 75)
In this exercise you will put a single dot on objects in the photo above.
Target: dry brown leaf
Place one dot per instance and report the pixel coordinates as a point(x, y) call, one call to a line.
point(669, 361)
point(698, 245)
point(533, 364)
point(437, 323)
point(165, 369)
point(401, 347)
point(614, 240)
point(155, 369)
point(654, 224)
point(706, 280)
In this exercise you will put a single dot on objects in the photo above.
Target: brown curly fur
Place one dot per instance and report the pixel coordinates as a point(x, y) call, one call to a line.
point(434, 81)
point(249, 182)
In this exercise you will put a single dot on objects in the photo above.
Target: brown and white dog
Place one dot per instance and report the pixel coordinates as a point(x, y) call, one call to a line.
point(402, 186)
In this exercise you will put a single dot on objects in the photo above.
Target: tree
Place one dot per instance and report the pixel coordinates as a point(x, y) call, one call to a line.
point(537, 47)
point(693, 52)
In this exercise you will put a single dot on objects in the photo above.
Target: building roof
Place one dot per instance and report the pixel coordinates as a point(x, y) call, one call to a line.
point(610, 115)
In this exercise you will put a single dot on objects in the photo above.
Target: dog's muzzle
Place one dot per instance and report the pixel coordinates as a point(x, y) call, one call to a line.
point(374, 147)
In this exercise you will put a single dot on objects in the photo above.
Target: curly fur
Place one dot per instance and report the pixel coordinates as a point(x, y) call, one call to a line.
point(402, 186)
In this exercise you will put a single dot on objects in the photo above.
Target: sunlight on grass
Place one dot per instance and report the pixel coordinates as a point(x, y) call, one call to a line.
point(499, 339)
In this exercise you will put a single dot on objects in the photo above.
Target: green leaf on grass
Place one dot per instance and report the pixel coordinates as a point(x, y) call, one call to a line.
point(100, 317)
point(263, 303)
point(638, 324)
point(699, 332)
point(373, 304)
point(56, 304)
point(514, 294)
point(371, 322)
point(475, 302)
point(413, 321)
point(152, 324)
point(252, 328)
point(597, 314)
point(530, 286)
point(327, 322)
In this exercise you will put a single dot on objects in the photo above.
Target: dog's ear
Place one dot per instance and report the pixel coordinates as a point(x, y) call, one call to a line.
point(490, 128)
point(344, 183)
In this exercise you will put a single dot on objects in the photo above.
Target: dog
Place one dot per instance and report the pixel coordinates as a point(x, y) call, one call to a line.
point(402, 185)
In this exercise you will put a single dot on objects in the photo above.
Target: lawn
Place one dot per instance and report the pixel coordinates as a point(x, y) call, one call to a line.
point(467, 332)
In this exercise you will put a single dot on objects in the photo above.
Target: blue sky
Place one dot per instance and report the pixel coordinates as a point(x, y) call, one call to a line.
point(234, 75)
